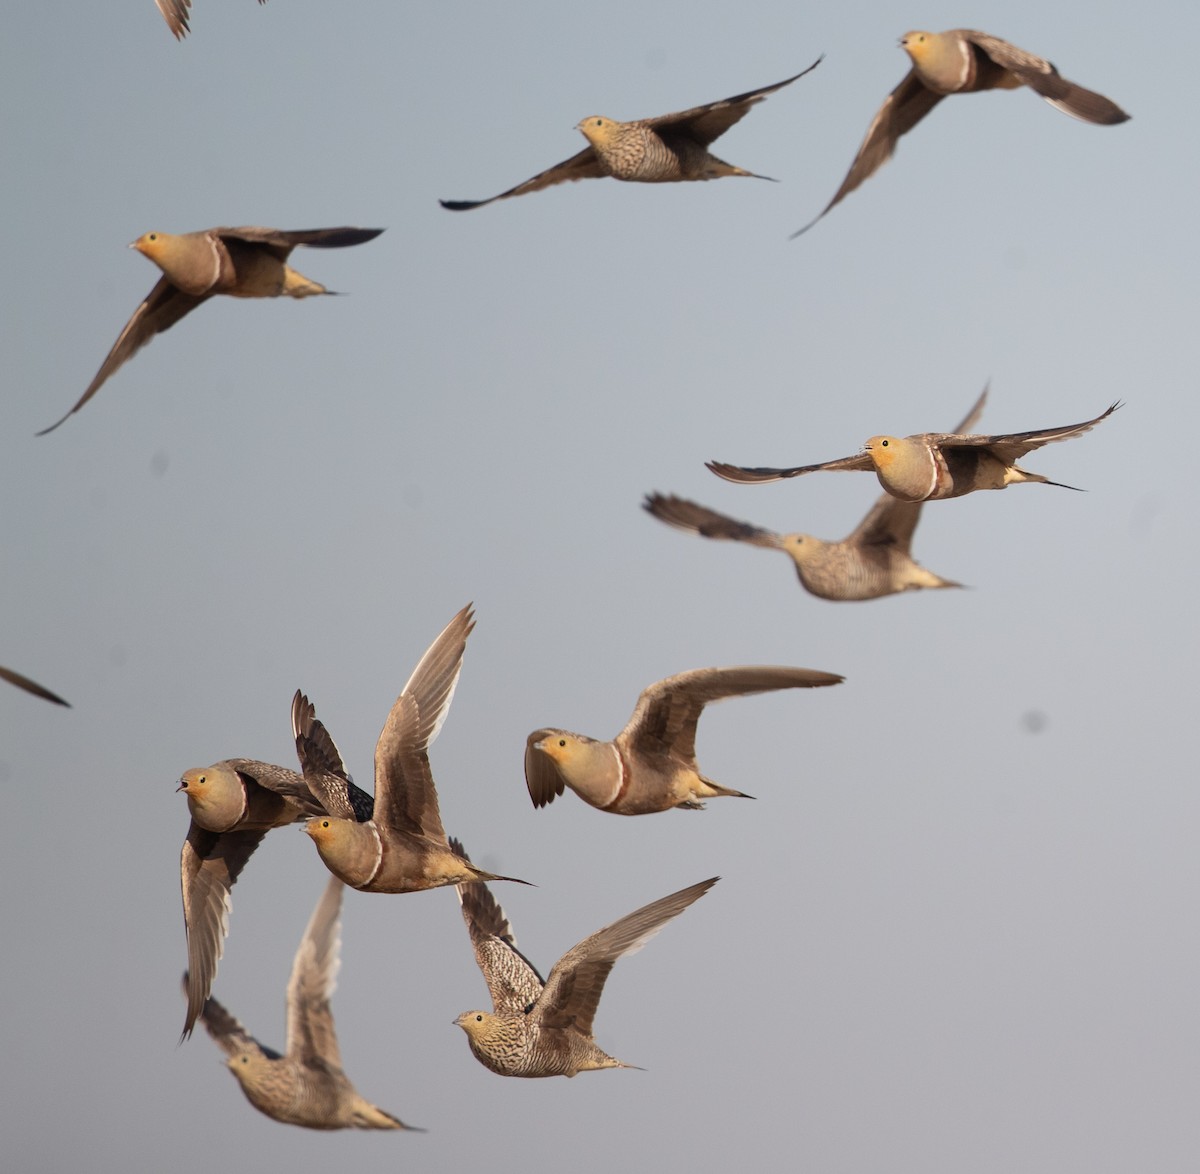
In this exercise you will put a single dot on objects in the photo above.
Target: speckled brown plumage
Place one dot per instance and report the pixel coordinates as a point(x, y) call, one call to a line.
point(670, 148)
point(305, 1085)
point(537, 1029)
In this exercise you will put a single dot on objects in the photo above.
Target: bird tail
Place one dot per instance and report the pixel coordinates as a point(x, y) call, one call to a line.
point(1015, 475)
point(491, 876)
point(717, 168)
point(716, 790)
point(296, 285)
point(368, 1116)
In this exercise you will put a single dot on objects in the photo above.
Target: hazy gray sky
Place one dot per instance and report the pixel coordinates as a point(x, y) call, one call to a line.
point(943, 941)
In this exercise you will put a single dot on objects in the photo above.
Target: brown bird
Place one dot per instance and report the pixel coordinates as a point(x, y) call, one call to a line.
point(934, 465)
point(668, 149)
point(175, 13)
point(651, 764)
point(241, 262)
point(961, 61)
point(306, 1085)
point(30, 686)
point(233, 804)
point(402, 847)
point(545, 1029)
point(874, 561)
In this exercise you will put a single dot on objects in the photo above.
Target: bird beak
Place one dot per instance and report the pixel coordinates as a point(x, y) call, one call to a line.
point(182, 786)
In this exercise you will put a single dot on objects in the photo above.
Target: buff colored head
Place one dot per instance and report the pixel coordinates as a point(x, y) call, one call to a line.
point(598, 131)
point(803, 548)
point(486, 1033)
point(350, 850)
point(154, 245)
point(884, 451)
point(251, 1068)
point(917, 44)
point(216, 796)
point(577, 757)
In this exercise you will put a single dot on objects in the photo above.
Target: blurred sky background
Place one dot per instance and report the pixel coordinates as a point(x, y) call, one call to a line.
point(957, 930)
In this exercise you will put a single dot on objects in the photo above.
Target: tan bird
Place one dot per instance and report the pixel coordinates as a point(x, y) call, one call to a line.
point(306, 1085)
point(931, 466)
point(175, 13)
point(961, 61)
point(668, 149)
point(241, 262)
point(651, 764)
point(545, 1029)
point(874, 561)
point(233, 804)
point(31, 686)
point(402, 848)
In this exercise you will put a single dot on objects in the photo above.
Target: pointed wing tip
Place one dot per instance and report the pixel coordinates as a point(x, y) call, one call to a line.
point(460, 205)
point(63, 420)
point(802, 231)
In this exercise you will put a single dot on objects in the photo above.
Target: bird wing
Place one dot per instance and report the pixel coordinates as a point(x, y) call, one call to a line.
point(1011, 446)
point(705, 124)
point(668, 711)
point(208, 869)
point(860, 463)
point(541, 772)
point(575, 984)
point(162, 308)
point(1042, 77)
point(228, 1033)
point(585, 165)
point(23, 682)
point(405, 797)
point(324, 772)
point(311, 1038)
point(282, 242)
point(175, 13)
point(891, 522)
point(512, 980)
point(902, 109)
point(688, 515)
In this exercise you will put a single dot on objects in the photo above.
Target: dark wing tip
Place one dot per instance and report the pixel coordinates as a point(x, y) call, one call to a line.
point(461, 205)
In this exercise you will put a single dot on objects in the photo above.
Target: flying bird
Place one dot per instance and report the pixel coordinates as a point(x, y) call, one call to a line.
point(541, 1028)
point(305, 1085)
point(873, 561)
point(402, 846)
point(651, 764)
point(961, 61)
point(241, 262)
point(233, 804)
point(668, 149)
point(31, 686)
point(175, 13)
point(931, 466)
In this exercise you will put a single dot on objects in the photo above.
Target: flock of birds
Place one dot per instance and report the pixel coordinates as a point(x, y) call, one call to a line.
point(393, 841)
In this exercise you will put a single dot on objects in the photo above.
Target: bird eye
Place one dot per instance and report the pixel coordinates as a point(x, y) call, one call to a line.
point(562, 741)
point(202, 779)
point(599, 121)
point(478, 1018)
point(883, 444)
point(152, 236)
point(324, 823)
